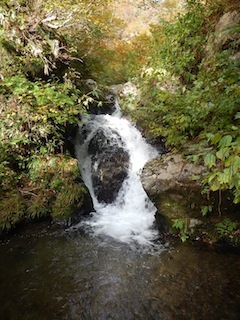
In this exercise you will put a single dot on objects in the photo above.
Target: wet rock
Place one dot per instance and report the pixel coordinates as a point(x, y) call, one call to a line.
point(106, 105)
point(101, 100)
point(169, 182)
point(225, 32)
point(79, 213)
point(110, 164)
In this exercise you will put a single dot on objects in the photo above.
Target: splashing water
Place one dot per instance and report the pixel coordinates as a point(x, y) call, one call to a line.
point(131, 216)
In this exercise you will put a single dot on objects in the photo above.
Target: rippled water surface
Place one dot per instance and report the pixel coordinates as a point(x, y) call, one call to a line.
point(55, 274)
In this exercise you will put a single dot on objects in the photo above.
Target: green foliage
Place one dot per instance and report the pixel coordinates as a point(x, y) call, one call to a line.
point(227, 229)
point(73, 196)
point(35, 112)
point(46, 37)
point(28, 38)
point(12, 210)
point(206, 209)
point(181, 49)
point(34, 117)
point(49, 188)
point(191, 98)
point(183, 226)
point(225, 169)
point(58, 193)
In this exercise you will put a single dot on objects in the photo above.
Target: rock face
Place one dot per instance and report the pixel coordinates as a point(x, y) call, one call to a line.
point(110, 164)
point(99, 100)
point(170, 172)
point(226, 35)
point(105, 106)
point(170, 185)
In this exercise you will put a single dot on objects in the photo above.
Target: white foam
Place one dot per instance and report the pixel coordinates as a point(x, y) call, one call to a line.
point(131, 216)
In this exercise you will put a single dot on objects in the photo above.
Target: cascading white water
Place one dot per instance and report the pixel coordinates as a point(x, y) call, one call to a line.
point(130, 217)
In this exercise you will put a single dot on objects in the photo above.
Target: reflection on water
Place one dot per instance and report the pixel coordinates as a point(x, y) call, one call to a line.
point(54, 274)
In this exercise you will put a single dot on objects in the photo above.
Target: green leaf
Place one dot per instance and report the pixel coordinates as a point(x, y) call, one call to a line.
point(237, 115)
point(236, 162)
point(210, 160)
point(224, 177)
point(225, 141)
point(215, 185)
point(206, 209)
point(210, 136)
point(223, 153)
point(184, 237)
point(178, 224)
point(196, 177)
point(220, 154)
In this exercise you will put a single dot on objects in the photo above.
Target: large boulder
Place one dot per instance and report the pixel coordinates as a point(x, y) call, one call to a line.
point(110, 164)
point(170, 184)
point(170, 172)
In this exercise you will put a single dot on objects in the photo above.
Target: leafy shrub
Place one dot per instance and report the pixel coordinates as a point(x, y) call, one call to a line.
point(49, 188)
point(191, 101)
point(12, 210)
point(183, 226)
point(227, 228)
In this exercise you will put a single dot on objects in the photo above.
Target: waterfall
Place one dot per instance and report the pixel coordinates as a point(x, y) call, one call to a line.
point(123, 211)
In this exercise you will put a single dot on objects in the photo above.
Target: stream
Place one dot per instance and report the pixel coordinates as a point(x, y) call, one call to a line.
point(113, 264)
point(48, 273)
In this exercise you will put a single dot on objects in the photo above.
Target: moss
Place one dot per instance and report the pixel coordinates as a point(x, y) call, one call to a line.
point(175, 205)
point(183, 217)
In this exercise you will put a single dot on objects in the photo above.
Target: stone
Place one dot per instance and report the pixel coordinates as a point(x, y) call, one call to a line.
point(103, 101)
point(225, 33)
point(110, 164)
point(169, 172)
point(169, 182)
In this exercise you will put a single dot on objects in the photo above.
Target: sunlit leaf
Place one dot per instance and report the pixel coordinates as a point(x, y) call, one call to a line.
point(225, 141)
point(210, 160)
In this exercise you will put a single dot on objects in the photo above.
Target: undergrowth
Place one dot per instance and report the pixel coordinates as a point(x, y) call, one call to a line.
point(190, 93)
point(50, 187)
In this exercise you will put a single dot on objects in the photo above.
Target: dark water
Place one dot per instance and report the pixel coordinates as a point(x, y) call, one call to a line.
point(54, 274)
